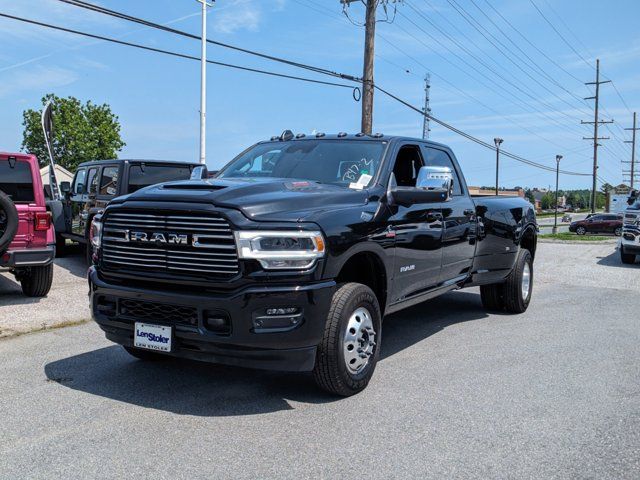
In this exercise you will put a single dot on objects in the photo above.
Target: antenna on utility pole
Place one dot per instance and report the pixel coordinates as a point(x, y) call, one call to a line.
point(596, 122)
point(633, 150)
point(426, 128)
point(203, 83)
point(369, 46)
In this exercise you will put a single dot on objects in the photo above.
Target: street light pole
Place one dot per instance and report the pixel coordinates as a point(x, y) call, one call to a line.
point(203, 84)
point(498, 142)
point(555, 220)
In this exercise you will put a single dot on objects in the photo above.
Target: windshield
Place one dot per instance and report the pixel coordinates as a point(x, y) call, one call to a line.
point(141, 176)
point(338, 162)
point(16, 181)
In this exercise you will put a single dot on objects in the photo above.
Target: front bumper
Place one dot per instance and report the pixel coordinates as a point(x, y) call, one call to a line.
point(28, 257)
point(292, 348)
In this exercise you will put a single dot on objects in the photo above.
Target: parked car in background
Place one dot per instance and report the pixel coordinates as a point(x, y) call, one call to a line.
point(598, 223)
point(98, 182)
point(27, 237)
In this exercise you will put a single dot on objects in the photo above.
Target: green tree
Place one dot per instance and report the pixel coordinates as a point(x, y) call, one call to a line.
point(81, 132)
point(528, 194)
point(606, 187)
point(547, 201)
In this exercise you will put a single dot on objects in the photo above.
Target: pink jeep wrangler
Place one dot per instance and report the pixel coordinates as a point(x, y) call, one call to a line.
point(27, 237)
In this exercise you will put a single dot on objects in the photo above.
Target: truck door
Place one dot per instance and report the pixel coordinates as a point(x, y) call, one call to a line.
point(73, 205)
point(418, 232)
point(459, 219)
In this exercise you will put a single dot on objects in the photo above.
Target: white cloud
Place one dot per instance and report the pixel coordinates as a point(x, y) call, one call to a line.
point(40, 78)
point(245, 16)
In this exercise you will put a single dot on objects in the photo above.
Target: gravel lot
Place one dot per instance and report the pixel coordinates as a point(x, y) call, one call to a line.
point(552, 393)
point(65, 304)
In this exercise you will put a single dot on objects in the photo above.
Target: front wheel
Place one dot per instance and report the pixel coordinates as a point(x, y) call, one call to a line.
point(36, 281)
point(581, 230)
point(348, 352)
point(618, 231)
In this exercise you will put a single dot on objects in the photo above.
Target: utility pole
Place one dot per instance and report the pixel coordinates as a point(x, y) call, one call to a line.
point(498, 142)
point(203, 84)
point(633, 149)
point(555, 218)
point(426, 128)
point(596, 122)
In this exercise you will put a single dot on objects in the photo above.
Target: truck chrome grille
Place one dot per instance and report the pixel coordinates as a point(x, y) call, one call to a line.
point(182, 243)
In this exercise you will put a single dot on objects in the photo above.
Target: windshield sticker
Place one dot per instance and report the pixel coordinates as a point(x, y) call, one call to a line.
point(362, 182)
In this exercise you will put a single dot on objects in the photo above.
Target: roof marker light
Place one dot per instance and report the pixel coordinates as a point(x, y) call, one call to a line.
point(342, 134)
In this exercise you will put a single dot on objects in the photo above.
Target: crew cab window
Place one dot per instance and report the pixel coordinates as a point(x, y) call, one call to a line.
point(142, 175)
point(434, 157)
point(92, 180)
point(109, 181)
point(16, 180)
point(339, 162)
point(79, 182)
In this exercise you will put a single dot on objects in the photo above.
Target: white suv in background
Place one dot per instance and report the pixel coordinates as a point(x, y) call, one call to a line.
point(630, 240)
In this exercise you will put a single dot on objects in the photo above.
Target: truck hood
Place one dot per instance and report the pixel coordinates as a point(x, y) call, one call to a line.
point(259, 199)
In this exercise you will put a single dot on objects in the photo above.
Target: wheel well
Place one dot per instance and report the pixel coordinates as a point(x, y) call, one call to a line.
point(529, 241)
point(368, 269)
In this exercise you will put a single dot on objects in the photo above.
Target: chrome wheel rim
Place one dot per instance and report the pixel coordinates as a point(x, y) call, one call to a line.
point(526, 281)
point(359, 340)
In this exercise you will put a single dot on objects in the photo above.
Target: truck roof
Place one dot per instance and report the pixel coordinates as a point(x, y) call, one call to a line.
point(128, 160)
point(347, 137)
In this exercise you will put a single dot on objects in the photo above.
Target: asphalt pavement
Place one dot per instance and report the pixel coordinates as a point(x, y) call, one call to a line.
point(458, 393)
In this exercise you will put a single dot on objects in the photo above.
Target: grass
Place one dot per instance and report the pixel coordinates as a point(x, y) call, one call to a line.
point(574, 237)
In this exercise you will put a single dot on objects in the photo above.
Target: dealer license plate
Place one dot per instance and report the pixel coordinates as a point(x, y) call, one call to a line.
point(152, 337)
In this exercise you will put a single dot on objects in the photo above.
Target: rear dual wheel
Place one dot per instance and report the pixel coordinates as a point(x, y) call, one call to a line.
point(514, 294)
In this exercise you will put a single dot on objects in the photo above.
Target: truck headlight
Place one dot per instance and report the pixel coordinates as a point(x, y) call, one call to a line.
point(95, 232)
point(281, 250)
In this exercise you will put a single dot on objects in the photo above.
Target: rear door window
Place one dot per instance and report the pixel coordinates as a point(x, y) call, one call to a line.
point(92, 180)
point(141, 176)
point(109, 182)
point(16, 180)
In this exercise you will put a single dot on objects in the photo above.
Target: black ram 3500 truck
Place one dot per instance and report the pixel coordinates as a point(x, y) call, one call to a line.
point(292, 255)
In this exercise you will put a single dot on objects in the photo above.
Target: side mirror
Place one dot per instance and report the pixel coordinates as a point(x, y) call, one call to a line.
point(65, 188)
point(434, 184)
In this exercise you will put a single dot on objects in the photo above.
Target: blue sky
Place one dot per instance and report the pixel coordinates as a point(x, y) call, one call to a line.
point(475, 87)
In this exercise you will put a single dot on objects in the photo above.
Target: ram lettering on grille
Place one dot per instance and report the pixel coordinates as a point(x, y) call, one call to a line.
point(176, 243)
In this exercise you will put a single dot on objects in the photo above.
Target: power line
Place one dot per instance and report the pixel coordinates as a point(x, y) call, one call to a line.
point(499, 46)
point(527, 107)
point(541, 52)
point(130, 18)
point(559, 34)
point(475, 139)
point(174, 54)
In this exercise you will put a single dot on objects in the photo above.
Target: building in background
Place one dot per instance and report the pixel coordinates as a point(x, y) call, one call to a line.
point(62, 174)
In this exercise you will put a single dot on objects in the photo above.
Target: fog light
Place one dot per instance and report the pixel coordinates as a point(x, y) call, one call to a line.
point(216, 322)
point(277, 319)
point(282, 311)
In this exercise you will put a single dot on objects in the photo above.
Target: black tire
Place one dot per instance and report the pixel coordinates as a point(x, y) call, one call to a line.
point(8, 222)
point(146, 355)
point(492, 297)
point(36, 281)
point(581, 230)
point(61, 246)
point(330, 371)
point(627, 258)
point(514, 300)
point(618, 231)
